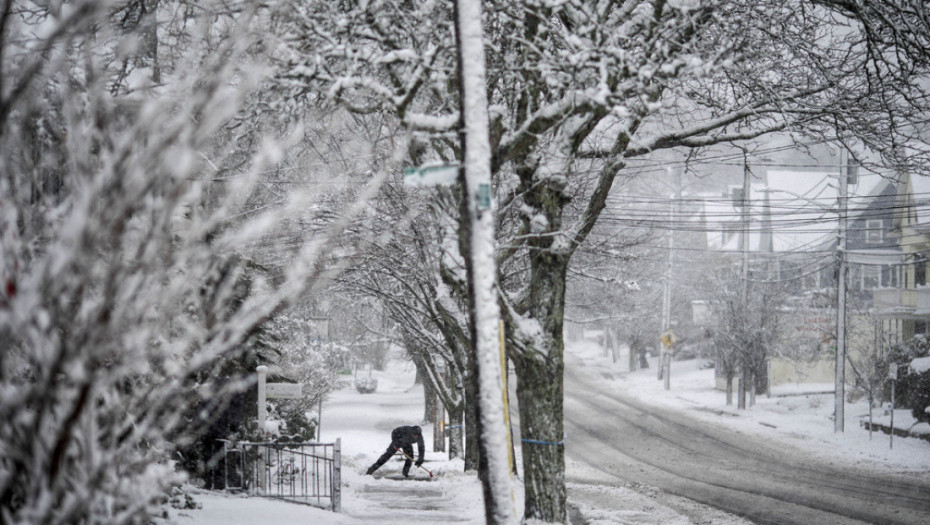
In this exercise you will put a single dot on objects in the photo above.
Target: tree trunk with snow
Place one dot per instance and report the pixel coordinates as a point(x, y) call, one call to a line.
point(539, 366)
point(429, 399)
point(456, 434)
point(729, 379)
point(741, 388)
point(472, 447)
point(540, 393)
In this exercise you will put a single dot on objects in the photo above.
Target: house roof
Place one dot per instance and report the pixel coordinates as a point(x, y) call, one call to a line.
point(790, 211)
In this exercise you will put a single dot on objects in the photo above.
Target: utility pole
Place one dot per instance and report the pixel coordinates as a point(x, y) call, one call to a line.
point(478, 216)
point(744, 276)
point(664, 369)
point(840, 386)
point(667, 337)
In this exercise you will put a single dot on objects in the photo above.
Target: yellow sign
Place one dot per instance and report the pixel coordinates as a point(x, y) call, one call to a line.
point(668, 338)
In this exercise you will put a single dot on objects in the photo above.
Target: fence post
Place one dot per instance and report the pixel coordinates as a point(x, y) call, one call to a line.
point(225, 468)
point(262, 372)
point(337, 475)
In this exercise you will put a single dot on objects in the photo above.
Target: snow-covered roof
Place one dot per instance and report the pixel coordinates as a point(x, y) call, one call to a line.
point(790, 211)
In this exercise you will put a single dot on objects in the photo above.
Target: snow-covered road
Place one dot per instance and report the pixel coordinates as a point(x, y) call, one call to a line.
point(622, 439)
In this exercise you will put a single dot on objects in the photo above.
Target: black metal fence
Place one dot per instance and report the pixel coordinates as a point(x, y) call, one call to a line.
point(307, 473)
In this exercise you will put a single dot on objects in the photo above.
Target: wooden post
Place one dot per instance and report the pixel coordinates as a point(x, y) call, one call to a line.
point(262, 397)
point(506, 400)
point(262, 371)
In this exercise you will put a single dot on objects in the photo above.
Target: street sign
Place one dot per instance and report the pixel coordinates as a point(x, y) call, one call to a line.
point(668, 338)
point(484, 196)
point(284, 390)
point(432, 175)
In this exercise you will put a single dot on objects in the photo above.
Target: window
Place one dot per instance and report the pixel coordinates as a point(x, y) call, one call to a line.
point(920, 327)
point(870, 277)
point(890, 277)
point(854, 277)
point(873, 231)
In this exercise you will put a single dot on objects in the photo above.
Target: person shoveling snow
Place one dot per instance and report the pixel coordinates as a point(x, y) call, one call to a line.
point(402, 440)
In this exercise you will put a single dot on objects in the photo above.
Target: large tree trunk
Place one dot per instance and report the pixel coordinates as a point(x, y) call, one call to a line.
point(540, 393)
point(634, 354)
point(471, 424)
point(729, 378)
point(429, 397)
point(741, 389)
point(456, 433)
point(612, 344)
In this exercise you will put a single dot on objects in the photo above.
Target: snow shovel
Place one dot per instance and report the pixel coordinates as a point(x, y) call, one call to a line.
point(415, 463)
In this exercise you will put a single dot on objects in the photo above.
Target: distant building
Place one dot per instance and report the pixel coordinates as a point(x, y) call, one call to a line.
point(904, 306)
point(792, 237)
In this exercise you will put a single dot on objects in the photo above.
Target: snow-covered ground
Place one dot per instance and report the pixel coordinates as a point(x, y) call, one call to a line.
point(364, 422)
point(790, 415)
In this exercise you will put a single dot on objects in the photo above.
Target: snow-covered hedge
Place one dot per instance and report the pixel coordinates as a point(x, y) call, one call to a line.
point(917, 388)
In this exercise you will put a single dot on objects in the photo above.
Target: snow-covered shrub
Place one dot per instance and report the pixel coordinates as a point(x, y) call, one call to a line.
point(307, 357)
point(910, 384)
point(290, 345)
point(232, 417)
point(916, 384)
point(294, 425)
point(180, 498)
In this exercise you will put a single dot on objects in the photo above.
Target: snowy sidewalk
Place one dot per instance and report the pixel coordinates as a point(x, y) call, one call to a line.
point(393, 499)
point(402, 502)
point(386, 499)
point(364, 423)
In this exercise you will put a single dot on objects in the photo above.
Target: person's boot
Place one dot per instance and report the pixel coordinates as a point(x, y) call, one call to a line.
point(370, 470)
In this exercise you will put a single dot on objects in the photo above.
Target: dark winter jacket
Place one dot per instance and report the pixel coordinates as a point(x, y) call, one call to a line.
point(406, 436)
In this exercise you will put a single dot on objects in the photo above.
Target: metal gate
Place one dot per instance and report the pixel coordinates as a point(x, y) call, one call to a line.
point(307, 473)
